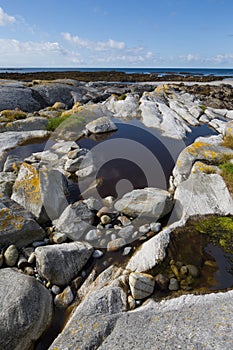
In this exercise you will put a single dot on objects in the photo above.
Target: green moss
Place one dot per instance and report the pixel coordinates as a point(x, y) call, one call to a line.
point(122, 97)
point(66, 122)
point(203, 107)
point(228, 142)
point(227, 174)
point(9, 115)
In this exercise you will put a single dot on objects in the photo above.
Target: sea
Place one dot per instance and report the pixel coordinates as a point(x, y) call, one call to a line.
point(227, 72)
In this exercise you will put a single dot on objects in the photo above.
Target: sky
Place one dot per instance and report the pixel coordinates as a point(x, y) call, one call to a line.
point(122, 33)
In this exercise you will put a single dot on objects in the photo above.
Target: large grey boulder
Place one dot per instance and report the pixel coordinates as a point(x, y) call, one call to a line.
point(150, 202)
point(60, 263)
point(17, 226)
point(92, 320)
point(20, 97)
point(75, 220)
point(42, 192)
point(203, 194)
point(25, 310)
point(123, 108)
point(188, 322)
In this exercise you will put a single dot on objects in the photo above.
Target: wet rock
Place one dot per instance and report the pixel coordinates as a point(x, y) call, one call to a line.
point(131, 302)
point(193, 270)
point(126, 232)
point(26, 310)
point(150, 202)
point(116, 244)
point(97, 254)
point(59, 264)
point(83, 160)
point(141, 285)
point(64, 299)
point(144, 228)
point(59, 238)
point(55, 289)
point(92, 235)
point(101, 125)
point(155, 227)
point(17, 225)
point(173, 284)
point(76, 219)
point(28, 270)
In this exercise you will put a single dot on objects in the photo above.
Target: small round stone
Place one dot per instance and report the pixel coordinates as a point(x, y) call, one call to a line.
point(183, 270)
point(97, 254)
point(127, 251)
point(124, 220)
point(32, 258)
point(193, 270)
point(173, 284)
point(11, 255)
point(116, 244)
point(155, 227)
point(162, 281)
point(59, 238)
point(131, 302)
point(108, 201)
point(92, 235)
point(144, 228)
point(102, 211)
point(105, 219)
point(55, 289)
point(29, 271)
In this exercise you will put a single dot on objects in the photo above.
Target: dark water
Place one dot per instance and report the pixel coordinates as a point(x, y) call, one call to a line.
point(161, 71)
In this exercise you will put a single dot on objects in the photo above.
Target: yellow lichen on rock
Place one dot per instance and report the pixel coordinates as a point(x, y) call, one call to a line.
point(7, 219)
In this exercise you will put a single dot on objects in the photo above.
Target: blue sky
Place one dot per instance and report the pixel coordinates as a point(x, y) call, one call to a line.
point(108, 33)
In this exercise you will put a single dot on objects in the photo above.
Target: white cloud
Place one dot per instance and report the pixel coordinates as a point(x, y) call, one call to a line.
point(93, 45)
point(5, 19)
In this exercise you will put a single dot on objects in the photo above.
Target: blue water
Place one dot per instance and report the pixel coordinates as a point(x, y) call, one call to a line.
point(161, 71)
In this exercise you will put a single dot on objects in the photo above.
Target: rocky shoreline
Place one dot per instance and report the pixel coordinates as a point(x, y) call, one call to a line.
point(51, 247)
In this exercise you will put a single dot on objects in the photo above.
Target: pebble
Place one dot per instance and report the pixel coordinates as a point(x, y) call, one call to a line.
point(102, 211)
point(93, 203)
point(141, 285)
point(11, 255)
point(124, 220)
point(155, 227)
point(173, 284)
point(113, 237)
point(64, 299)
point(144, 228)
point(193, 270)
point(32, 258)
point(92, 235)
point(97, 254)
point(59, 238)
point(131, 302)
point(108, 201)
point(105, 219)
point(116, 244)
point(55, 289)
point(126, 231)
point(138, 302)
point(162, 281)
point(127, 251)
point(108, 226)
point(183, 270)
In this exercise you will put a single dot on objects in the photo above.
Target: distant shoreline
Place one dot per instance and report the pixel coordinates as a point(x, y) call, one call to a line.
point(109, 76)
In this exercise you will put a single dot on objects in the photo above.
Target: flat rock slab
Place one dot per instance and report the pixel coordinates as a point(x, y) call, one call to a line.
point(60, 263)
point(150, 202)
point(101, 125)
point(203, 194)
point(26, 310)
point(17, 225)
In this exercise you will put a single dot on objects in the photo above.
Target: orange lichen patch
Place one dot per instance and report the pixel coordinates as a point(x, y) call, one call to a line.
point(7, 219)
point(197, 147)
point(28, 184)
point(200, 167)
point(8, 115)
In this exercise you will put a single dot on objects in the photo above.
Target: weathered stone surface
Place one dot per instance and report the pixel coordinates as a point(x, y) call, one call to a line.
point(17, 225)
point(203, 194)
point(64, 299)
point(123, 108)
point(101, 125)
point(11, 255)
point(59, 264)
point(152, 202)
point(153, 251)
point(42, 192)
point(25, 310)
point(141, 285)
point(28, 124)
point(23, 98)
point(202, 151)
point(76, 219)
point(92, 320)
point(229, 129)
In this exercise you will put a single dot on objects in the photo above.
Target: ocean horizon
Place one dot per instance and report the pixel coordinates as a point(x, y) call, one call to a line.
point(160, 71)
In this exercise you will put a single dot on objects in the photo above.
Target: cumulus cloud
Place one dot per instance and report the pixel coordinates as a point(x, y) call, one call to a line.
point(93, 45)
point(5, 19)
